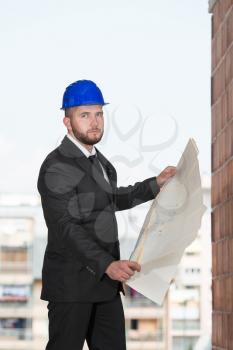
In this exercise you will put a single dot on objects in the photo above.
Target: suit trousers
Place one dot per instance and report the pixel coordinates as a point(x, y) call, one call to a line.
point(102, 324)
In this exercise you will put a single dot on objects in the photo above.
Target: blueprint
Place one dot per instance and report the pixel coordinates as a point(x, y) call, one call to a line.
point(171, 224)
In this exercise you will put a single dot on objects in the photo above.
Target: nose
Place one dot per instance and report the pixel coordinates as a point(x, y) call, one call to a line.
point(94, 120)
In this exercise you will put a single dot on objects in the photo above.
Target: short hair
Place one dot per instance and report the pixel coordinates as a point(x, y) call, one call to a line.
point(68, 112)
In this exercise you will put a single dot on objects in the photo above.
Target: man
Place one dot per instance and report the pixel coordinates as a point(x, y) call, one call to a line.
point(82, 272)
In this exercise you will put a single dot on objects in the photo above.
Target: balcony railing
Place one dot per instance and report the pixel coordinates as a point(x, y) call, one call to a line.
point(15, 304)
point(137, 302)
point(15, 266)
point(137, 335)
point(14, 333)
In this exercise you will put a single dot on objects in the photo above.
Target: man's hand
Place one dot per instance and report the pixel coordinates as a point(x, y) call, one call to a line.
point(165, 175)
point(122, 270)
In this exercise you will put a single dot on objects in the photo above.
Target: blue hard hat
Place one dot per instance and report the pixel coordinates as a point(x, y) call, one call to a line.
point(82, 92)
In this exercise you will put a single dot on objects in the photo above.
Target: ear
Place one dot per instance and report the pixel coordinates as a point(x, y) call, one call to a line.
point(66, 122)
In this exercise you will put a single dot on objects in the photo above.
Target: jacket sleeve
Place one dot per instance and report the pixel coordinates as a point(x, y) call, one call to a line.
point(65, 228)
point(132, 195)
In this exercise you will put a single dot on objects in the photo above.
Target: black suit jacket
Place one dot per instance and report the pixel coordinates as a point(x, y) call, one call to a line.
point(79, 209)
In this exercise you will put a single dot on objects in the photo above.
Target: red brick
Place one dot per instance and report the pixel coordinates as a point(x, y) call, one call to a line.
point(213, 156)
point(222, 146)
point(219, 116)
point(217, 16)
point(220, 262)
point(224, 37)
point(228, 142)
point(218, 46)
point(226, 4)
point(213, 124)
point(225, 252)
point(214, 328)
point(218, 82)
point(223, 77)
point(230, 127)
point(214, 259)
point(217, 188)
point(229, 22)
point(224, 110)
point(230, 102)
point(223, 189)
point(224, 331)
point(222, 210)
point(222, 174)
point(223, 220)
point(230, 332)
point(216, 154)
point(222, 297)
point(229, 66)
point(228, 294)
point(227, 217)
point(213, 56)
point(229, 172)
point(230, 243)
point(231, 221)
point(219, 331)
point(216, 299)
point(218, 321)
point(214, 190)
point(215, 217)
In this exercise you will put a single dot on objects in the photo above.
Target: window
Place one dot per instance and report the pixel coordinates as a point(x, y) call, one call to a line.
point(134, 324)
point(14, 293)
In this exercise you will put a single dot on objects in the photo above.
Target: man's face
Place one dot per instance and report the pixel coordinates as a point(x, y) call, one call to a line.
point(86, 123)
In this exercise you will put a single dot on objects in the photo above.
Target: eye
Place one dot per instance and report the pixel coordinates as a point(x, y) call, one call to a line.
point(84, 115)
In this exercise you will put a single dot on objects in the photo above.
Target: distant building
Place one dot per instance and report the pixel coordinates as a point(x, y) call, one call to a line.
point(190, 295)
point(23, 320)
point(184, 321)
point(147, 324)
point(20, 222)
point(180, 322)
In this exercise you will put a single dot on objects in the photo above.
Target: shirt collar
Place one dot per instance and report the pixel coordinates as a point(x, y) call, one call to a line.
point(80, 146)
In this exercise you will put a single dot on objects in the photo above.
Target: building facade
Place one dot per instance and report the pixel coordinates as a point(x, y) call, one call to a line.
point(179, 323)
point(190, 295)
point(222, 172)
point(19, 224)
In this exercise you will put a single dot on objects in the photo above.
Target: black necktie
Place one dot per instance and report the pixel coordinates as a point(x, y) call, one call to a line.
point(94, 160)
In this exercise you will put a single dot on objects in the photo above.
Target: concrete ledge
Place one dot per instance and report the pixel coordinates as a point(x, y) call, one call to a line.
point(211, 5)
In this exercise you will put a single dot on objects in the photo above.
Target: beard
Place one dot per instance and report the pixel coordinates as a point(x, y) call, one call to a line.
point(90, 138)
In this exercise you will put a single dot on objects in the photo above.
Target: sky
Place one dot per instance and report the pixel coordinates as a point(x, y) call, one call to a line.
point(151, 59)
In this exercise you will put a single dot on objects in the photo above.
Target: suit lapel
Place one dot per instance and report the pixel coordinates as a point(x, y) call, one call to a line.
point(110, 170)
point(70, 150)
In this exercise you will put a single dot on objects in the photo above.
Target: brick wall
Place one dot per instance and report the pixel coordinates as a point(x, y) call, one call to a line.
point(222, 173)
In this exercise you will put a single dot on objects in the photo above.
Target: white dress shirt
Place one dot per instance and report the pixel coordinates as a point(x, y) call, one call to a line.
point(86, 152)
